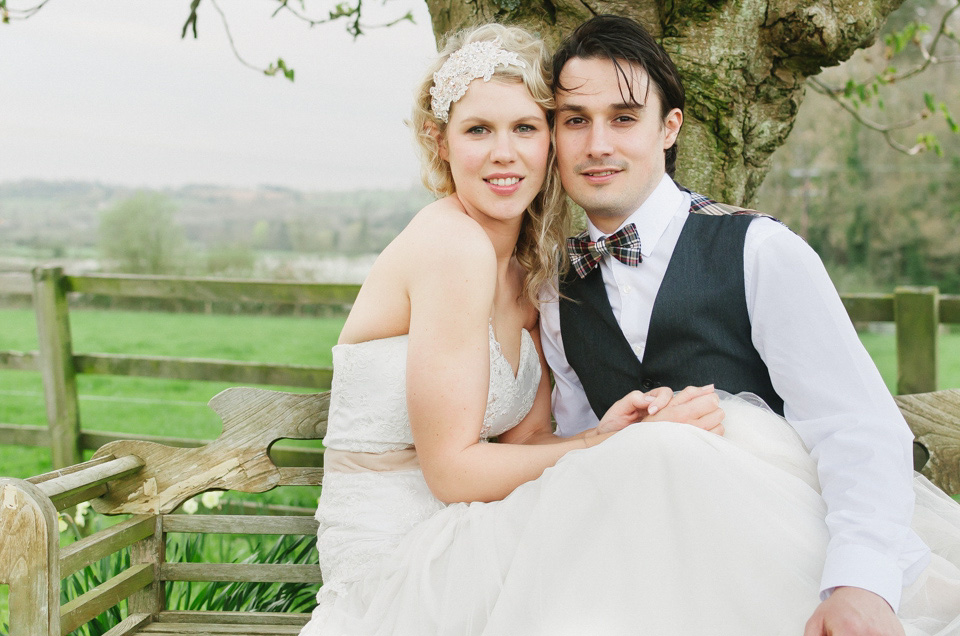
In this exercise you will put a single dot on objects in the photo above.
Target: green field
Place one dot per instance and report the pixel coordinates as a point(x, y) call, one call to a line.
point(178, 408)
point(146, 405)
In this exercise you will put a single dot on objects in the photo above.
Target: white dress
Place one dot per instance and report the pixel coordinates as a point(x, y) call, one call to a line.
point(662, 530)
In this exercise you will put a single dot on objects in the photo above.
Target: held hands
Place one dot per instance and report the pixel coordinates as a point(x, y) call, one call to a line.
point(695, 405)
point(852, 611)
point(698, 406)
point(632, 408)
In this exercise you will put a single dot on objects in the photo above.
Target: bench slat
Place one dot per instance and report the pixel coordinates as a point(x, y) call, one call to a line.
point(69, 470)
point(241, 572)
point(240, 524)
point(213, 629)
point(94, 602)
point(301, 476)
point(62, 487)
point(129, 625)
point(89, 549)
point(234, 618)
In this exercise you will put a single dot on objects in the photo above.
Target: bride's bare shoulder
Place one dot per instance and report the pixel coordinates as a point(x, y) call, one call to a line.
point(443, 231)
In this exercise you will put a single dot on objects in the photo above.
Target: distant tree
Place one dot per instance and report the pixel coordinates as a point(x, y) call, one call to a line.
point(140, 236)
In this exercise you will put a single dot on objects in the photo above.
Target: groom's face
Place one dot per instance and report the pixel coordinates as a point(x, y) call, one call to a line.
point(611, 138)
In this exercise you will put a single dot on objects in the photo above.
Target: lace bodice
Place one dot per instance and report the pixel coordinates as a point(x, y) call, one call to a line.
point(368, 403)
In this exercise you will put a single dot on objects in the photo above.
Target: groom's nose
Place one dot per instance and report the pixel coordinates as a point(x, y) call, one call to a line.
point(599, 141)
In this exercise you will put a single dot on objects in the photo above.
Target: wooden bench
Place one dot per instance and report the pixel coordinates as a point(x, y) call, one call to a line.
point(149, 481)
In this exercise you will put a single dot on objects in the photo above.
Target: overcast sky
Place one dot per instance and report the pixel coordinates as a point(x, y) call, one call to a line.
point(106, 90)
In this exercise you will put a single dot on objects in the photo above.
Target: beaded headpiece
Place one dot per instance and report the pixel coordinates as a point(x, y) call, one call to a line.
point(469, 62)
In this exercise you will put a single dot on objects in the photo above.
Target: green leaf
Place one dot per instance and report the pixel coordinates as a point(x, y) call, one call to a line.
point(848, 90)
point(928, 100)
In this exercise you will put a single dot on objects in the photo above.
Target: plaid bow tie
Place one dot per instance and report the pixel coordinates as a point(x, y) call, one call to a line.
point(623, 245)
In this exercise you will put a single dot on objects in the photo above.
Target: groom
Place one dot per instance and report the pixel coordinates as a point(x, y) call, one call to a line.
point(731, 299)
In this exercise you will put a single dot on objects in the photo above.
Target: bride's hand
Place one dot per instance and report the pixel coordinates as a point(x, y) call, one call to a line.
point(632, 408)
point(695, 405)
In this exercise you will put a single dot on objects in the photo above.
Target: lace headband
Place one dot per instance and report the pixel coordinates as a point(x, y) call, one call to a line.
point(469, 62)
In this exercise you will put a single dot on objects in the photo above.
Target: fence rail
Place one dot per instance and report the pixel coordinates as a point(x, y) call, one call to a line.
point(916, 312)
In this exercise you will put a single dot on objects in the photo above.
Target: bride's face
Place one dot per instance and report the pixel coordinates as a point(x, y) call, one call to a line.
point(497, 142)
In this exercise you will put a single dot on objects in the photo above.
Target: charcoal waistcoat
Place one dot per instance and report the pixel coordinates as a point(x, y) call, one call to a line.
point(699, 330)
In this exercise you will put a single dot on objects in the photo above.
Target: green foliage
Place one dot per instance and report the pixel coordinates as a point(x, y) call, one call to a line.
point(279, 67)
point(140, 235)
point(196, 548)
point(247, 597)
point(917, 48)
point(910, 34)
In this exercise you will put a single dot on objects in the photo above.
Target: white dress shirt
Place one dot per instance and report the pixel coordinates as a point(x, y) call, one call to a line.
point(833, 394)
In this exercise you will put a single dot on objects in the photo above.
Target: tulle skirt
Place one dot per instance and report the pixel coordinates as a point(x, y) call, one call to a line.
point(661, 530)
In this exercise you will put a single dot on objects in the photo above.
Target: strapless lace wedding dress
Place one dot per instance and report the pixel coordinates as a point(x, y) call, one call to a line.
point(662, 530)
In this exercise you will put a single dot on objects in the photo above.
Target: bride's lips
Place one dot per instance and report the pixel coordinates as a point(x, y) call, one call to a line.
point(503, 183)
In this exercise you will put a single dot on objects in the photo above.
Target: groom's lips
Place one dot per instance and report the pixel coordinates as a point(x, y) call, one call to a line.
point(599, 176)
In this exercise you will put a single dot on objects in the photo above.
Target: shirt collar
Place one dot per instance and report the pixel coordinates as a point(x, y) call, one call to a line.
point(653, 216)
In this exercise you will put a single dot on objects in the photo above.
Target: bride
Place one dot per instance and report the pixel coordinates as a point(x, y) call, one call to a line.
point(693, 524)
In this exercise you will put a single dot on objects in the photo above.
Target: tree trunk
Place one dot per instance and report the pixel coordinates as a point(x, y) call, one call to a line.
point(743, 64)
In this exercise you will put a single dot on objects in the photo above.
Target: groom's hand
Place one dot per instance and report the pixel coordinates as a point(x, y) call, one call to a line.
point(632, 407)
point(852, 611)
point(695, 405)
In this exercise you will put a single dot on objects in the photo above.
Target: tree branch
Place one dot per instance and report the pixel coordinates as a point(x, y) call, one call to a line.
point(226, 28)
point(7, 13)
point(928, 58)
point(343, 10)
point(884, 129)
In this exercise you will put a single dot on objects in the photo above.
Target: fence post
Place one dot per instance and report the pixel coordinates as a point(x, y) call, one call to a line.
point(917, 316)
point(56, 365)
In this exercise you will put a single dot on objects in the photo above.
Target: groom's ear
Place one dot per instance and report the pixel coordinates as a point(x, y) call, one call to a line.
point(672, 124)
point(434, 131)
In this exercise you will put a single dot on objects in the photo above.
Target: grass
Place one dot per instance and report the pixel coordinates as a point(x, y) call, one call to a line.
point(132, 405)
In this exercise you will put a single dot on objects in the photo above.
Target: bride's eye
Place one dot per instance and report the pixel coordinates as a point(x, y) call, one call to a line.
point(526, 128)
point(476, 130)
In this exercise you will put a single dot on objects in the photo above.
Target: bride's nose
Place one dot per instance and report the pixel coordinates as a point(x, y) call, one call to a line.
point(504, 150)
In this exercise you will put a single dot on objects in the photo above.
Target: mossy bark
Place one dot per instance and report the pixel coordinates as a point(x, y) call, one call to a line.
point(743, 62)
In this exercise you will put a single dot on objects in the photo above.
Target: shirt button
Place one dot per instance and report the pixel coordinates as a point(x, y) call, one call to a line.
point(637, 349)
point(626, 289)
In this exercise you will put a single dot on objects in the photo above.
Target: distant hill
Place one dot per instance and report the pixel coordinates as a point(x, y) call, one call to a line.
point(61, 218)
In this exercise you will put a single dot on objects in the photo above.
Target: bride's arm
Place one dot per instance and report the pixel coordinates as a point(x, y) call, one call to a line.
point(448, 365)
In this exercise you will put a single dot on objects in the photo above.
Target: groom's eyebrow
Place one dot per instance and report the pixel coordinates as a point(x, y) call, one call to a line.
point(577, 108)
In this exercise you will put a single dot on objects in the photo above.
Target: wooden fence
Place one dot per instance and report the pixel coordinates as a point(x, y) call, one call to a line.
point(59, 364)
point(916, 312)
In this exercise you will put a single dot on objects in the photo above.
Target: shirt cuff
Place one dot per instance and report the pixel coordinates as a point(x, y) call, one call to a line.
point(863, 567)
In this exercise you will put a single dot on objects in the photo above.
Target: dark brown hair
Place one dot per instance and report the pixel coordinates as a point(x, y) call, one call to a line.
point(621, 40)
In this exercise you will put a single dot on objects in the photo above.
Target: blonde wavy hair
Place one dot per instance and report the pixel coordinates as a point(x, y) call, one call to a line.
point(547, 220)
